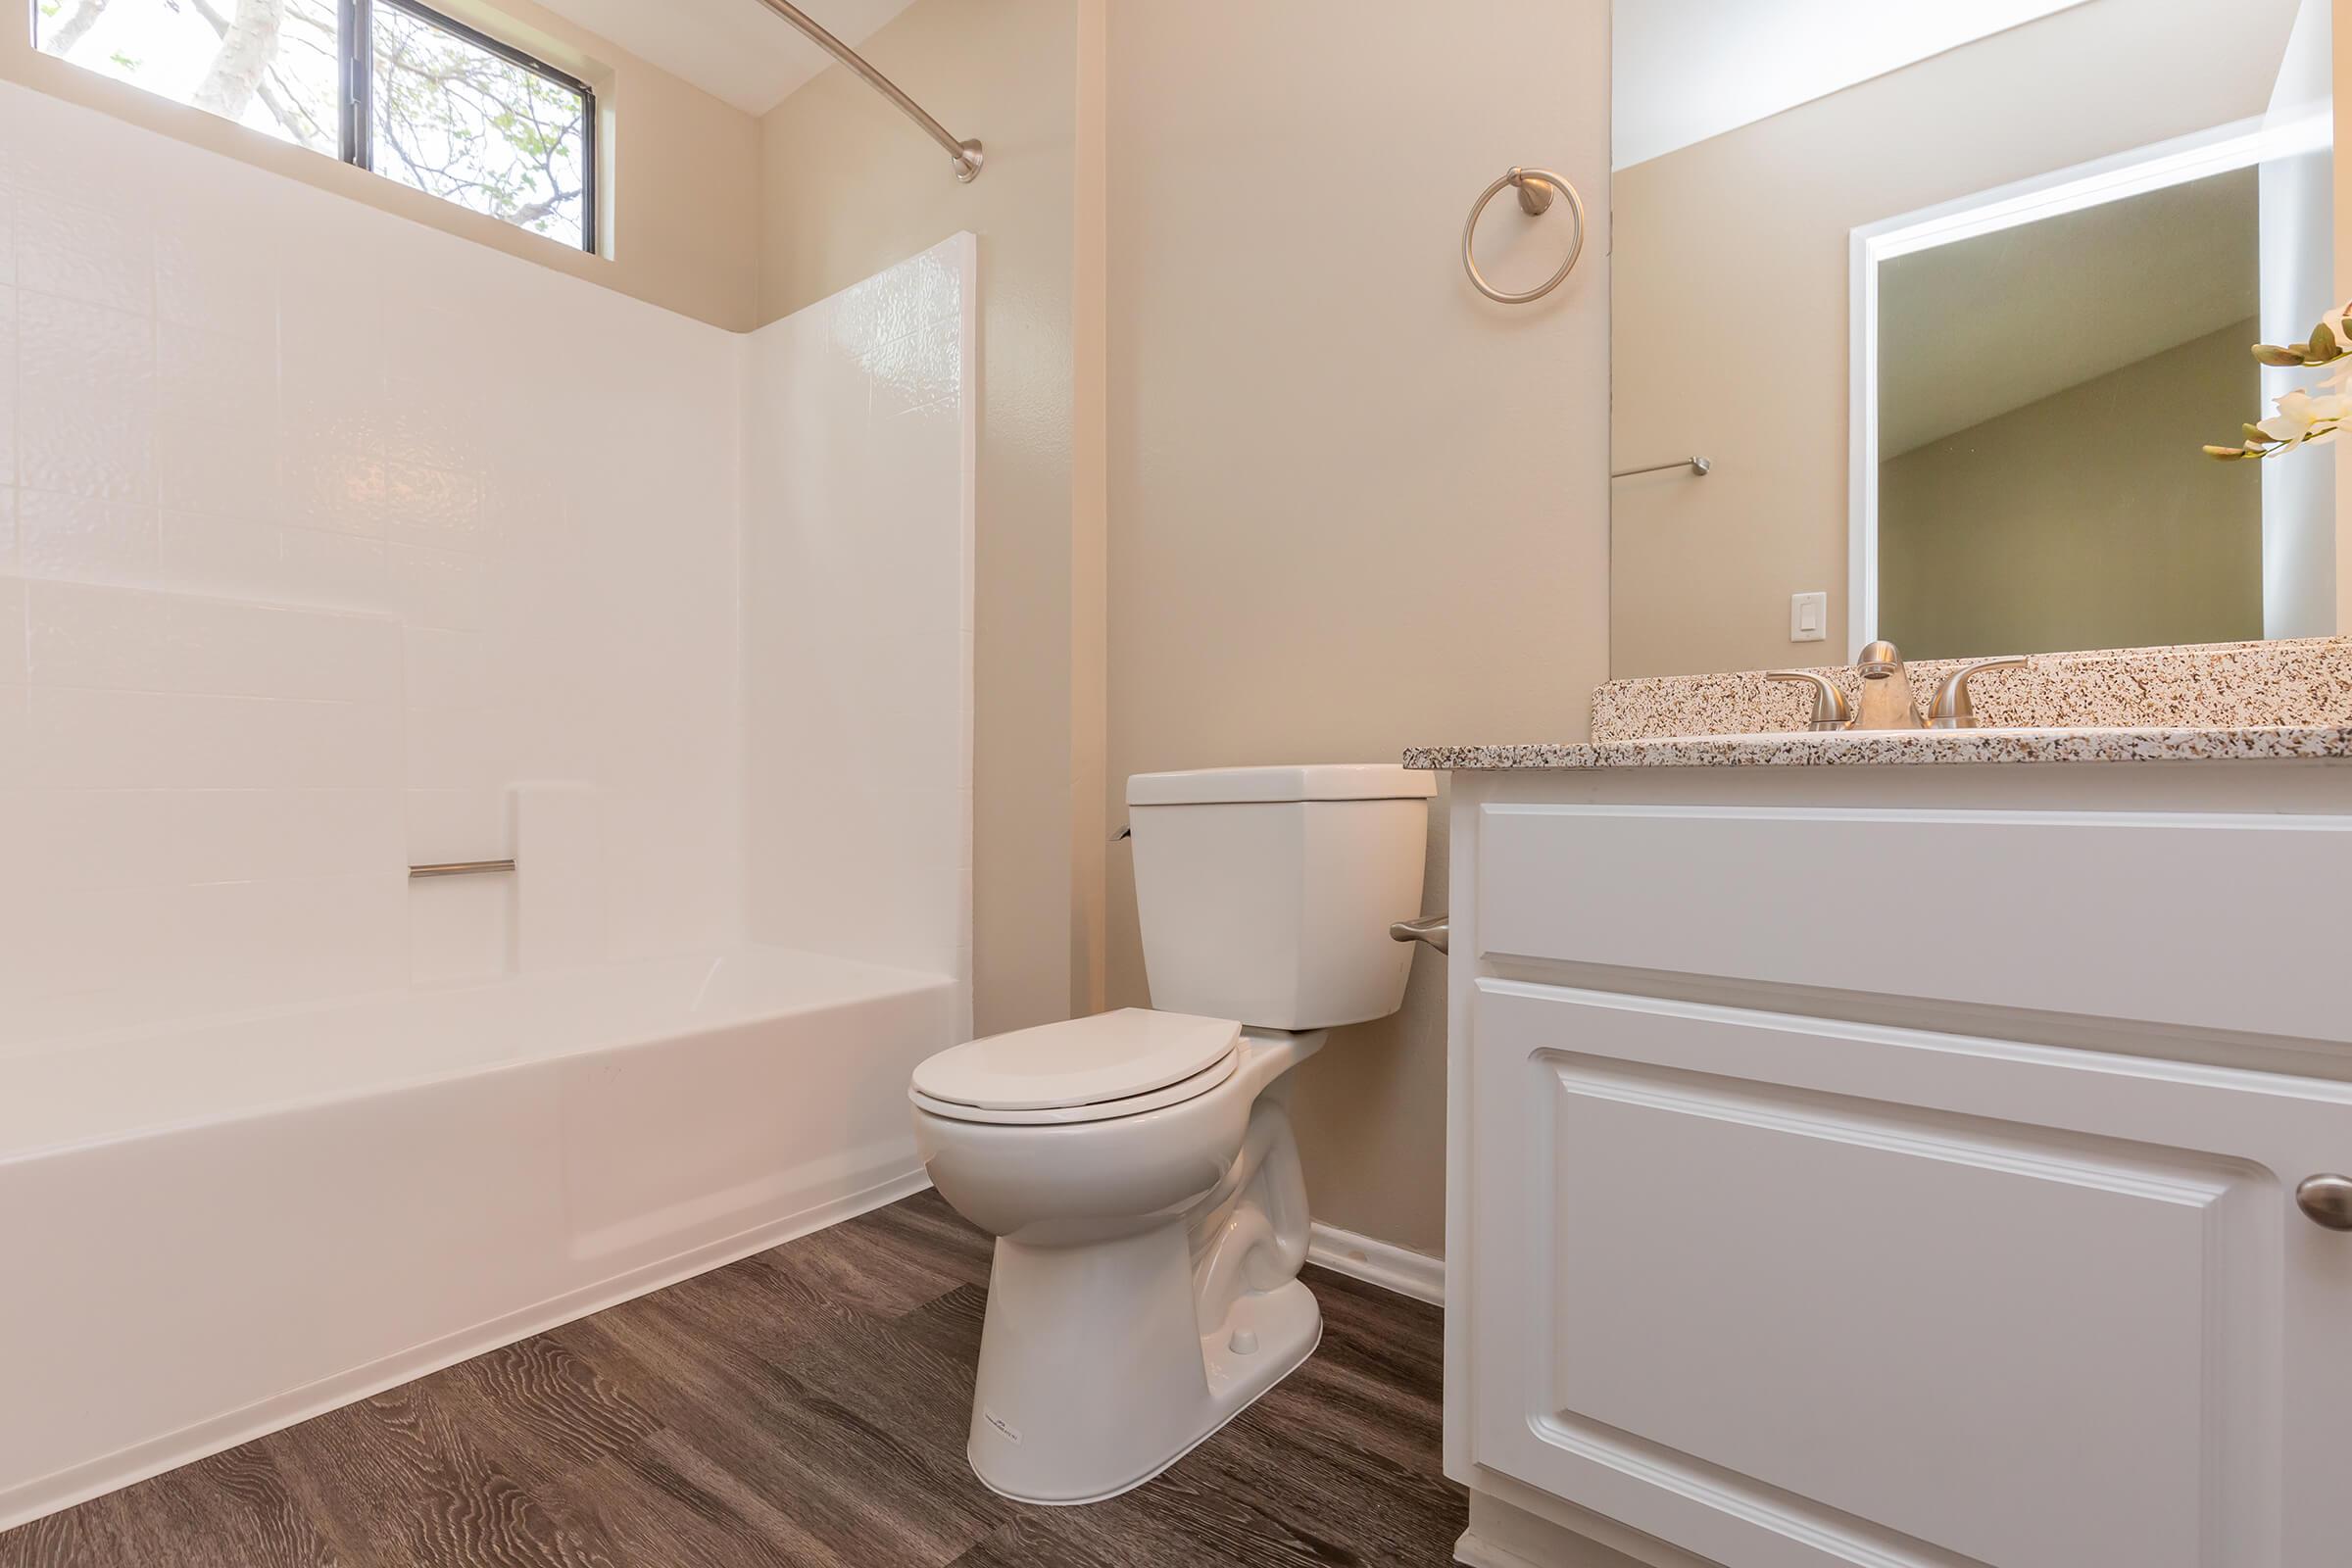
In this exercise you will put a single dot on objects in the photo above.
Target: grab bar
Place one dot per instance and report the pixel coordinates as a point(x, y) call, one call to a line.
point(417, 873)
point(1437, 931)
point(1702, 467)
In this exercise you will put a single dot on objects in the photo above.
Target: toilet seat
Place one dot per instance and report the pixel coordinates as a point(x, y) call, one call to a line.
point(1089, 1069)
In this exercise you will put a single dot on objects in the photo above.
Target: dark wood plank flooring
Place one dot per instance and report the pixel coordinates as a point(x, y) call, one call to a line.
point(806, 1406)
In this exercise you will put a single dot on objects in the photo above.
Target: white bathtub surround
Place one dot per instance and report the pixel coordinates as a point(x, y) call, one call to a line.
point(860, 490)
point(317, 544)
point(239, 1225)
point(330, 545)
point(559, 832)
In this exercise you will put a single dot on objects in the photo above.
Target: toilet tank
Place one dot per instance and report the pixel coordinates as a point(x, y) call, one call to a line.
point(1265, 894)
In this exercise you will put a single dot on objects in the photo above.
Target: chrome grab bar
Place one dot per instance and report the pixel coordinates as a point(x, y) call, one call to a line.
point(1702, 467)
point(417, 873)
point(1437, 931)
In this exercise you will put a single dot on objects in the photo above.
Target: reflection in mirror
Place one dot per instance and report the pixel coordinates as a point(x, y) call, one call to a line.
point(1953, 305)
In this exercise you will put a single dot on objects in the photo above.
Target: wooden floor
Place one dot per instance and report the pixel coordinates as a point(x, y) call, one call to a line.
point(806, 1406)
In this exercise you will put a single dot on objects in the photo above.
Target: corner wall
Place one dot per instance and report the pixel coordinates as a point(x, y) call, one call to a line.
point(2078, 521)
point(852, 188)
point(1353, 505)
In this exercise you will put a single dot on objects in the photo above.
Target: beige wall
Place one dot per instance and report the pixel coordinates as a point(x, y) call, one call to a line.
point(1731, 306)
point(1354, 506)
point(852, 188)
point(683, 177)
point(2089, 519)
point(1316, 472)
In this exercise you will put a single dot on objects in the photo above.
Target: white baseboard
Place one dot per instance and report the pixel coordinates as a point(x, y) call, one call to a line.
point(1474, 1551)
point(1380, 1263)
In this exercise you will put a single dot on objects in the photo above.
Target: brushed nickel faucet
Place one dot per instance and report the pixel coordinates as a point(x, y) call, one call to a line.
point(1830, 710)
point(1952, 709)
point(1886, 702)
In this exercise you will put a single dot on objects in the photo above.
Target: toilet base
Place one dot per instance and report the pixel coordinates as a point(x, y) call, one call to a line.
point(1058, 1419)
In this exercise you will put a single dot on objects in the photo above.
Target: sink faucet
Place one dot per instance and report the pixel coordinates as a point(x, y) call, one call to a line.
point(1887, 694)
point(1886, 702)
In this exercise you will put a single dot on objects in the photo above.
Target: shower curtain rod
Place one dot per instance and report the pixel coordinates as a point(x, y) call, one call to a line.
point(965, 153)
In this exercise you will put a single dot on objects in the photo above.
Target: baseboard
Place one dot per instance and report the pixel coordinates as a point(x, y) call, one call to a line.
point(1380, 1263)
point(1473, 1553)
point(52, 1493)
point(1520, 1527)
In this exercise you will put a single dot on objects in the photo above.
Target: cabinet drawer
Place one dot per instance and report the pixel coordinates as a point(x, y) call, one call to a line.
point(2214, 922)
point(1793, 1294)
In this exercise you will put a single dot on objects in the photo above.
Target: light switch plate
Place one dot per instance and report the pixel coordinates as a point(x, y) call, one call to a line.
point(1808, 617)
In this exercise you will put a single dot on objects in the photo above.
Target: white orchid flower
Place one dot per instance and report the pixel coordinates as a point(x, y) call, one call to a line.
point(2305, 417)
point(2301, 416)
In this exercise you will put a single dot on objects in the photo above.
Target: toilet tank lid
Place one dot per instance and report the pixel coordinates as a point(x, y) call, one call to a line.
point(1312, 781)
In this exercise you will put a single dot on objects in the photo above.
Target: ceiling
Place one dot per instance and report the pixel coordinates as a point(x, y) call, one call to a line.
point(737, 50)
point(1687, 70)
point(1979, 329)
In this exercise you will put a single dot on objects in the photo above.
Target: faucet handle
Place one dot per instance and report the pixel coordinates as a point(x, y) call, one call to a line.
point(1829, 702)
point(1951, 708)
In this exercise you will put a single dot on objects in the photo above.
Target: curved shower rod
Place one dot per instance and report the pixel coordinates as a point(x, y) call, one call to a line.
point(966, 154)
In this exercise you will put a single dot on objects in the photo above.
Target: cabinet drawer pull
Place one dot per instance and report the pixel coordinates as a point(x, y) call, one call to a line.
point(2326, 1200)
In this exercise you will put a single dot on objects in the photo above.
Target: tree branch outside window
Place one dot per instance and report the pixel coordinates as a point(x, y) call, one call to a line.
point(453, 114)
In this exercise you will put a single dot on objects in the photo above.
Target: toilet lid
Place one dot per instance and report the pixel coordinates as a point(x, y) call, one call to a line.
point(1086, 1061)
point(1176, 1094)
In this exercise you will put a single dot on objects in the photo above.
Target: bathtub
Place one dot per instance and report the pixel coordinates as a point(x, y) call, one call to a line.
point(213, 1232)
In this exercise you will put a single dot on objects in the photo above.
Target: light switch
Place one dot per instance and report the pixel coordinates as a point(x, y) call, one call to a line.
point(1808, 617)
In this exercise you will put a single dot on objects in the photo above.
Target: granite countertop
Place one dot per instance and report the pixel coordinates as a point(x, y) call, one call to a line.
point(2222, 702)
point(1881, 748)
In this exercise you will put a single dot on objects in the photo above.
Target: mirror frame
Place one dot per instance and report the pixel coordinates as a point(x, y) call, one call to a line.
point(2218, 151)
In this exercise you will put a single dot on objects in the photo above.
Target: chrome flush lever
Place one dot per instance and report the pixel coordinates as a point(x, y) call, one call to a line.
point(1436, 931)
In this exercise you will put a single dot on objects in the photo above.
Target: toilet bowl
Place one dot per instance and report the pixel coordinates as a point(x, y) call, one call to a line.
point(1138, 1167)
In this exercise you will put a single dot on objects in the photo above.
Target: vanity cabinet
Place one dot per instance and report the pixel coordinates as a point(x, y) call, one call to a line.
point(1901, 1168)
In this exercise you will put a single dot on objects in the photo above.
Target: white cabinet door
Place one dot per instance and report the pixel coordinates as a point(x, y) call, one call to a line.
point(1789, 1292)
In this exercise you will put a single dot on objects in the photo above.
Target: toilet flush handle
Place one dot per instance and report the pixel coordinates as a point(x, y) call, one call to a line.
point(1433, 931)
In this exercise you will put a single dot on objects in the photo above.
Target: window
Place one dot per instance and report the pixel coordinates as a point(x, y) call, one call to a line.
point(440, 107)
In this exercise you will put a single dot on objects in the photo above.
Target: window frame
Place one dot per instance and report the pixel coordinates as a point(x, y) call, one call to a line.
point(357, 19)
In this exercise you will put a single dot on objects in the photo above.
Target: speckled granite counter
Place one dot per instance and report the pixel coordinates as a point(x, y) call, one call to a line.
point(2222, 702)
point(1881, 748)
point(2213, 686)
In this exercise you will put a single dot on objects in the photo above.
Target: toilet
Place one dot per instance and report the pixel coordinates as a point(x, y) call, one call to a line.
point(1138, 1167)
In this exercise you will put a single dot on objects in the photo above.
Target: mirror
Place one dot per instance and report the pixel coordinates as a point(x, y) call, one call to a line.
point(1951, 298)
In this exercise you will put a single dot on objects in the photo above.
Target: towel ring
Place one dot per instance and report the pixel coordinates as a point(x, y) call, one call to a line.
point(1535, 188)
